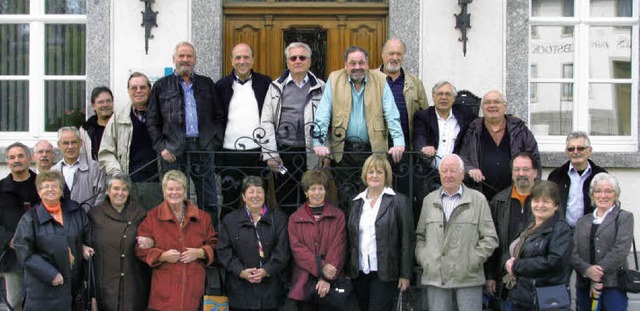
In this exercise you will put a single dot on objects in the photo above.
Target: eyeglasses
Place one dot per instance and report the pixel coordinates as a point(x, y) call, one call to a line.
point(443, 94)
point(360, 63)
point(522, 169)
point(294, 58)
point(492, 102)
point(603, 191)
point(579, 149)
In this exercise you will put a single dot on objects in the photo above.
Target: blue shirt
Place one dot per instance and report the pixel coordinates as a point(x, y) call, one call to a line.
point(357, 127)
point(190, 109)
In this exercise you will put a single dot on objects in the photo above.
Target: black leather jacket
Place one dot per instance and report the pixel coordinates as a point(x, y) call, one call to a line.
point(166, 115)
point(561, 177)
point(395, 238)
point(545, 260)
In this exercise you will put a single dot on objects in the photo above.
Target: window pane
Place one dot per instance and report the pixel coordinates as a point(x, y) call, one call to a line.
point(64, 104)
point(65, 49)
point(610, 109)
point(14, 106)
point(551, 50)
point(611, 8)
point(66, 7)
point(14, 6)
point(552, 8)
point(609, 50)
point(14, 49)
point(552, 113)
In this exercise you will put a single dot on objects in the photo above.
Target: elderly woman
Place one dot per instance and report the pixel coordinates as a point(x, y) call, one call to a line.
point(253, 248)
point(382, 240)
point(601, 245)
point(122, 280)
point(184, 240)
point(50, 241)
point(540, 255)
point(316, 231)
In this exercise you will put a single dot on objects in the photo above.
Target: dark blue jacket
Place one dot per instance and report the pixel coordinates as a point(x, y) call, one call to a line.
point(259, 83)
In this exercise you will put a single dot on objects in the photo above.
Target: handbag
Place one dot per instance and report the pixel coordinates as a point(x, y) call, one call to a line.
point(339, 290)
point(404, 301)
point(555, 297)
point(628, 280)
point(214, 298)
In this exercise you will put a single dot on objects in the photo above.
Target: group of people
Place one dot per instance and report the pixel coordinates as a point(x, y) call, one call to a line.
point(492, 228)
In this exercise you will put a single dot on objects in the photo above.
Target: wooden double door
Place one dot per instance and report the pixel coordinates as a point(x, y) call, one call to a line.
point(328, 28)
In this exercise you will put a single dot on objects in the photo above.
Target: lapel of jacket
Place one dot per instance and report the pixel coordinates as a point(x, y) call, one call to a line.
point(385, 205)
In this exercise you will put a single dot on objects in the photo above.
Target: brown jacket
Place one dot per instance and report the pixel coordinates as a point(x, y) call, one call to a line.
point(113, 236)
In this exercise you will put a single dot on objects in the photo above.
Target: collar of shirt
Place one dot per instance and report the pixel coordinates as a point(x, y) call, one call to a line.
point(191, 76)
point(290, 78)
point(389, 79)
point(450, 117)
point(237, 79)
point(598, 220)
point(363, 195)
point(573, 169)
point(444, 193)
point(76, 163)
point(364, 82)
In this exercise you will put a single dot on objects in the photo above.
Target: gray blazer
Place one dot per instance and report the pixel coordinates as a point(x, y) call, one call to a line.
point(611, 250)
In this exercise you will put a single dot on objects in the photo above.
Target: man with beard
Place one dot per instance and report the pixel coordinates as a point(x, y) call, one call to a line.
point(126, 146)
point(186, 124)
point(349, 129)
point(511, 210)
point(43, 155)
point(91, 131)
point(574, 177)
point(17, 193)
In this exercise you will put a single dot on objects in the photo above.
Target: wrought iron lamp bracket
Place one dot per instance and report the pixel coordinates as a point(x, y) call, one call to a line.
point(463, 22)
point(149, 18)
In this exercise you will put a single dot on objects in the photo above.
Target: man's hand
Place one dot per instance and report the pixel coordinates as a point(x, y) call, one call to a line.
point(490, 285)
point(87, 252)
point(403, 284)
point(170, 256)
point(429, 151)
point(168, 156)
point(321, 151)
point(396, 153)
point(595, 273)
point(191, 254)
point(57, 280)
point(329, 271)
point(476, 175)
point(274, 164)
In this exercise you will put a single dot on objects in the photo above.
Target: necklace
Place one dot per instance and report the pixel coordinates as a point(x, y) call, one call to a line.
point(180, 215)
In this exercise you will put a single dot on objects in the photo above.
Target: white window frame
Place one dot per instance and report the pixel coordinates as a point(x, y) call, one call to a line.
point(582, 23)
point(37, 19)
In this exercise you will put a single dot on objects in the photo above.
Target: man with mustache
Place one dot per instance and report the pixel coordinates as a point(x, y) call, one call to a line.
point(574, 177)
point(242, 94)
point(185, 121)
point(510, 209)
point(17, 193)
point(43, 155)
point(92, 129)
point(344, 122)
point(491, 141)
point(126, 146)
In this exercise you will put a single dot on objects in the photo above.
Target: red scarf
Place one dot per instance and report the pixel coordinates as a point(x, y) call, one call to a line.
point(55, 211)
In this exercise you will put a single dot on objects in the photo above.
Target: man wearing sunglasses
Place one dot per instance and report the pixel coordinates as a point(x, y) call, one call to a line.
point(242, 93)
point(287, 118)
point(575, 176)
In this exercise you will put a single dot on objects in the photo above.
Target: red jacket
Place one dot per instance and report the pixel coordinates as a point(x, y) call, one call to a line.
point(309, 238)
point(176, 286)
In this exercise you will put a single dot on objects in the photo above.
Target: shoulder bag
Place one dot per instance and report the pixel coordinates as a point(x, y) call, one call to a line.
point(628, 280)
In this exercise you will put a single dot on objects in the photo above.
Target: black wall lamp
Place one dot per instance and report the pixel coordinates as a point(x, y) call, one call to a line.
point(148, 22)
point(463, 22)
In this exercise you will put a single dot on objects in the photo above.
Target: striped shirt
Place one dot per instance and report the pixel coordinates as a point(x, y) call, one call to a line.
point(450, 202)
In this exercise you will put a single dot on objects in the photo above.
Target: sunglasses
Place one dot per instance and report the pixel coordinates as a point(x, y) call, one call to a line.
point(579, 149)
point(296, 57)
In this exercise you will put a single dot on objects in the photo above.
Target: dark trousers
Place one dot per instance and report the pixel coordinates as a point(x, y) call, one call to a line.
point(289, 192)
point(198, 165)
point(374, 294)
point(347, 172)
point(232, 166)
point(312, 306)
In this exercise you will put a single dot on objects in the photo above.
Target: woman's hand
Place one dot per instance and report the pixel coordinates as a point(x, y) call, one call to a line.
point(595, 273)
point(403, 284)
point(191, 254)
point(57, 280)
point(87, 252)
point(145, 242)
point(170, 256)
point(258, 275)
point(246, 273)
point(509, 265)
point(322, 287)
point(329, 271)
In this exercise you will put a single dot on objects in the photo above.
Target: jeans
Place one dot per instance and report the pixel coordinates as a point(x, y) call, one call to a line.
point(466, 298)
point(611, 298)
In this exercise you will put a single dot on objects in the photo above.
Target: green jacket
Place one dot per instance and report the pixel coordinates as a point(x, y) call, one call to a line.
point(452, 254)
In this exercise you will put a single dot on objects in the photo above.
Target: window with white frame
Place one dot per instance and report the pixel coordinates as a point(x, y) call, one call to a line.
point(586, 57)
point(42, 65)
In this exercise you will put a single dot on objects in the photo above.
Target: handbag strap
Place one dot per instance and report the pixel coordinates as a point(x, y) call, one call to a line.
point(633, 239)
